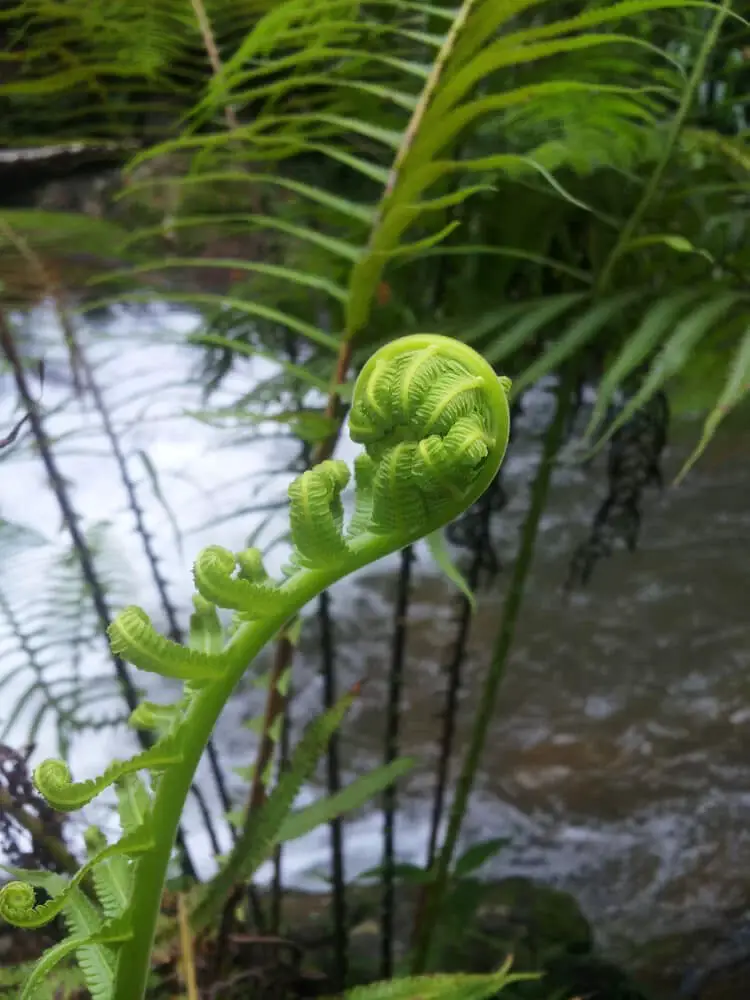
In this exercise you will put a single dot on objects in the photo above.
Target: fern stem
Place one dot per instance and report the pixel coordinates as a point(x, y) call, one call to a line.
point(495, 674)
point(277, 887)
point(393, 719)
point(212, 51)
point(80, 365)
point(59, 488)
point(187, 949)
point(151, 867)
point(431, 84)
point(284, 653)
point(651, 188)
point(333, 775)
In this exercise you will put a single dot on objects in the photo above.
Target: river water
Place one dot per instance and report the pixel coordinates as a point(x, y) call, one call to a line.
point(618, 758)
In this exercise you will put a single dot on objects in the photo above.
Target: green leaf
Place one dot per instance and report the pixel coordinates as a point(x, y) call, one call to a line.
point(456, 986)
point(583, 329)
point(537, 315)
point(673, 356)
point(659, 320)
point(675, 242)
point(354, 796)
point(477, 855)
point(352, 209)
point(292, 275)
point(735, 389)
point(134, 802)
point(47, 962)
point(439, 552)
point(239, 347)
point(332, 245)
point(402, 871)
point(83, 921)
point(312, 333)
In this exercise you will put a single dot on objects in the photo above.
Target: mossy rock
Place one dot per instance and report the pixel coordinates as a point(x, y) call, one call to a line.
point(572, 977)
point(482, 924)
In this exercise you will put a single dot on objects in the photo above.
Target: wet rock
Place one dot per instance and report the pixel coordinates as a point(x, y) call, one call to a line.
point(729, 983)
point(711, 962)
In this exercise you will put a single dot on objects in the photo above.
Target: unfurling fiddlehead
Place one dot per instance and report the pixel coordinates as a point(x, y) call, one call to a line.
point(54, 781)
point(132, 636)
point(434, 421)
point(213, 573)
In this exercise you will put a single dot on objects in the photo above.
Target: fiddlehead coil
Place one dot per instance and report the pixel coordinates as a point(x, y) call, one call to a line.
point(55, 782)
point(434, 419)
point(214, 577)
point(18, 900)
point(206, 633)
point(316, 515)
point(132, 636)
point(17, 903)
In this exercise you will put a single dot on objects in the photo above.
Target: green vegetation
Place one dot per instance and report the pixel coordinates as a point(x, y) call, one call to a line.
point(550, 188)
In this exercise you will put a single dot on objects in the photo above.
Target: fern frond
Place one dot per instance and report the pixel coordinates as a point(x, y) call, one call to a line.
point(674, 354)
point(735, 389)
point(54, 780)
point(213, 575)
point(133, 637)
point(316, 515)
point(18, 900)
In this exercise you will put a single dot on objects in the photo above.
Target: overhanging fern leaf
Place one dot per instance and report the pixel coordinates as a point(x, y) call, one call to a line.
point(674, 354)
point(656, 323)
point(735, 389)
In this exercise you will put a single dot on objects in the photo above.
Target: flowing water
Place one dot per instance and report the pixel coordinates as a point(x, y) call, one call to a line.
point(618, 759)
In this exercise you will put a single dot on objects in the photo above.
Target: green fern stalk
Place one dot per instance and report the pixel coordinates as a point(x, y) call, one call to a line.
point(434, 420)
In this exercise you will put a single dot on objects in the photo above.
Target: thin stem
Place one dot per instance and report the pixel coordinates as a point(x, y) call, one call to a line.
point(495, 674)
point(275, 702)
point(393, 718)
point(651, 188)
point(277, 888)
point(151, 867)
point(212, 51)
point(80, 365)
point(187, 949)
point(333, 775)
point(450, 711)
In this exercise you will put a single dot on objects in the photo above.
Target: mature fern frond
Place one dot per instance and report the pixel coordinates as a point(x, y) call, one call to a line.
point(385, 103)
point(103, 68)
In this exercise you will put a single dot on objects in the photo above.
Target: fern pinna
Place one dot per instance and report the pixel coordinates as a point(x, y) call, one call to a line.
point(433, 419)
